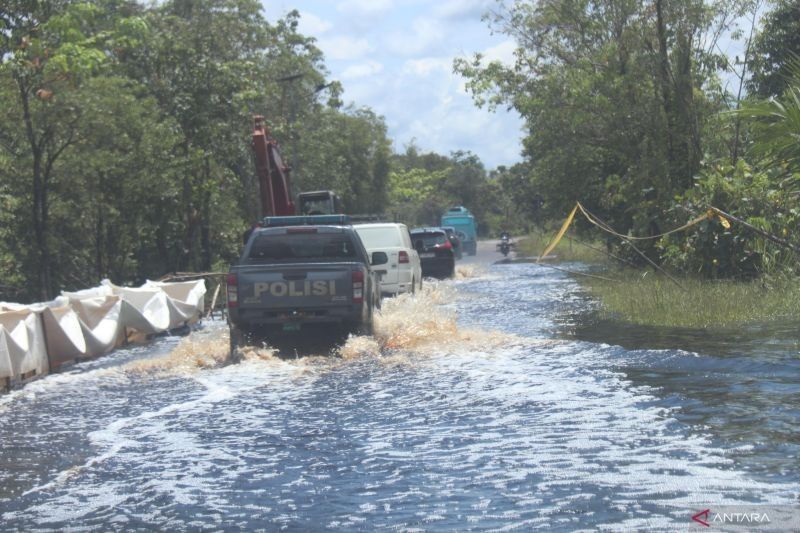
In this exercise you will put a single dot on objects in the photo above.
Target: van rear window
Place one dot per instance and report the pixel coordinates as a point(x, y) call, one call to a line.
point(380, 237)
point(302, 246)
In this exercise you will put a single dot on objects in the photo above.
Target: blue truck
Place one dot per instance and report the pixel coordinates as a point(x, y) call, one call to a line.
point(463, 221)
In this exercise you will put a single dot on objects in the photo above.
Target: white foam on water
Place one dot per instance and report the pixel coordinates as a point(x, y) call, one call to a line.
point(427, 415)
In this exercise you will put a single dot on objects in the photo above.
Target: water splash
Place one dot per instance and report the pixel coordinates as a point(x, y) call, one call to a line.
point(199, 350)
point(408, 324)
point(422, 324)
point(469, 271)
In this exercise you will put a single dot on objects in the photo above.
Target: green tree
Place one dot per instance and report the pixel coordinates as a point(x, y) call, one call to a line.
point(117, 187)
point(346, 151)
point(415, 196)
point(775, 46)
point(612, 95)
point(50, 50)
point(775, 123)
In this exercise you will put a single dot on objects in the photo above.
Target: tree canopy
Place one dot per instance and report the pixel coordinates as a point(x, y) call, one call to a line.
point(626, 111)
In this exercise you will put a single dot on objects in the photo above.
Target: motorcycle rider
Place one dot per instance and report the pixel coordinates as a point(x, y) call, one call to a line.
point(505, 243)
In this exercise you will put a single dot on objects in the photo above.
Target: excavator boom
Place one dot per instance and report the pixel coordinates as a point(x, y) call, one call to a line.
point(273, 175)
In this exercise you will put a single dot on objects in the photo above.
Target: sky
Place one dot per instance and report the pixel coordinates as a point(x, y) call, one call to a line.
point(396, 57)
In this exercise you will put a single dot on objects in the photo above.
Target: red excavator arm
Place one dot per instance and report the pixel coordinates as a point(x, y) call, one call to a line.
point(273, 175)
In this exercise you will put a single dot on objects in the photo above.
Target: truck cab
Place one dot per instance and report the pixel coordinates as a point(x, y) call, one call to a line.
point(319, 203)
point(466, 230)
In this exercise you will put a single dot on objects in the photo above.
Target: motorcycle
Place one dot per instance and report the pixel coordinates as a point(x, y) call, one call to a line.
point(505, 245)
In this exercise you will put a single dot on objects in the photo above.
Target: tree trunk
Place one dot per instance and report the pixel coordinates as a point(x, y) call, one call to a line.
point(205, 230)
point(99, 243)
point(39, 209)
point(664, 76)
point(187, 251)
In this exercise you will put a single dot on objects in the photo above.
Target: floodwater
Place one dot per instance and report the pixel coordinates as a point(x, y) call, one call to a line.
point(490, 401)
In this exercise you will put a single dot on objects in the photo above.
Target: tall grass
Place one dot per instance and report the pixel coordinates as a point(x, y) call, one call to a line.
point(654, 300)
point(643, 297)
point(569, 249)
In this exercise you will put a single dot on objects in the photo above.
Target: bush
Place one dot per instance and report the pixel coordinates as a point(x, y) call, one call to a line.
point(767, 199)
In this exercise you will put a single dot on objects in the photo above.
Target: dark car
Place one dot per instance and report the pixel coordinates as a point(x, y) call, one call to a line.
point(436, 253)
point(454, 240)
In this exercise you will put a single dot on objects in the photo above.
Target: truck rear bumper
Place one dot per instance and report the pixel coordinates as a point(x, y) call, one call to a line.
point(250, 319)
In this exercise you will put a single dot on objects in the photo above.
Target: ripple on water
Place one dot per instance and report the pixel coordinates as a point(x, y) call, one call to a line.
point(432, 423)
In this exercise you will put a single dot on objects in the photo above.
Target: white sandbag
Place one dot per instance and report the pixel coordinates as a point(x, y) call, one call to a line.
point(11, 347)
point(95, 292)
point(142, 309)
point(62, 328)
point(22, 345)
point(99, 317)
point(185, 300)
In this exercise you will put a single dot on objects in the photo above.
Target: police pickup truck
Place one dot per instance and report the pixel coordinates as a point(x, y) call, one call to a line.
point(301, 272)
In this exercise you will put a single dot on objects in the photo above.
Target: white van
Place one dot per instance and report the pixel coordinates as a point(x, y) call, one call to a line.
point(403, 272)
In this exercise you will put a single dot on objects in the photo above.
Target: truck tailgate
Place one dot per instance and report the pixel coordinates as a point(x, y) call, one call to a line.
point(309, 285)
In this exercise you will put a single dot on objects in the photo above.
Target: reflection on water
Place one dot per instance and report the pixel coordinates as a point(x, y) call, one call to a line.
point(468, 409)
point(739, 384)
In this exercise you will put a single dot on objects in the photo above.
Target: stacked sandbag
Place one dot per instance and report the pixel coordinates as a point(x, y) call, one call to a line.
point(185, 300)
point(143, 309)
point(62, 328)
point(157, 306)
point(23, 351)
point(98, 311)
point(89, 323)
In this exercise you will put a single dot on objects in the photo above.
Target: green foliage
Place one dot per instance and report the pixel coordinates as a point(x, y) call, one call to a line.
point(760, 197)
point(569, 249)
point(777, 44)
point(415, 195)
point(656, 301)
point(424, 185)
point(346, 151)
point(775, 123)
point(414, 186)
point(611, 93)
point(625, 114)
point(125, 136)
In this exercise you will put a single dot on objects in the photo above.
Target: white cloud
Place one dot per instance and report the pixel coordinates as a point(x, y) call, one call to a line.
point(426, 66)
point(311, 24)
point(396, 57)
point(455, 9)
point(361, 70)
point(447, 119)
point(360, 7)
point(425, 33)
point(344, 47)
point(503, 52)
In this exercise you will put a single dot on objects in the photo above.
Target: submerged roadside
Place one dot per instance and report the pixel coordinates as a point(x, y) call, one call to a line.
point(641, 308)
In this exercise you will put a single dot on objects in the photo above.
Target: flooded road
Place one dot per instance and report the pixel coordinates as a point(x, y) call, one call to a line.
point(486, 402)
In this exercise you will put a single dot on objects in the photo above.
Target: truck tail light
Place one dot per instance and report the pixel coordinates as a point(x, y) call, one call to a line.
point(403, 257)
point(233, 290)
point(358, 287)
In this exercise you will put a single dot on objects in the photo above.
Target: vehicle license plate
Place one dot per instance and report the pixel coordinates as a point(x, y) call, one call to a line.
point(291, 326)
point(428, 254)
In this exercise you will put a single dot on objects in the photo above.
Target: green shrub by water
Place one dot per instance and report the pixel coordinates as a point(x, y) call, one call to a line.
point(646, 298)
point(654, 300)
